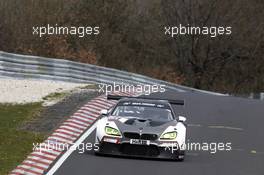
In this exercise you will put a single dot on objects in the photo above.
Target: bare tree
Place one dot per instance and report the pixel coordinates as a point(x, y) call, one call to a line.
point(204, 60)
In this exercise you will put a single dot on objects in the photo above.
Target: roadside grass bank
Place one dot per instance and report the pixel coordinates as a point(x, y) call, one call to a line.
point(30, 110)
point(16, 144)
point(21, 125)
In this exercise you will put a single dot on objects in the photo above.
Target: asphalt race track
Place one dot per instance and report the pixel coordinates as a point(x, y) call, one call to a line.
point(210, 119)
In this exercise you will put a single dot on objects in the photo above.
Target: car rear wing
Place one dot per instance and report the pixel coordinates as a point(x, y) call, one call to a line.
point(172, 102)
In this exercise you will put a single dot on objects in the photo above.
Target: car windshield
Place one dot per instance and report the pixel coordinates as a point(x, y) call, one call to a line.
point(143, 112)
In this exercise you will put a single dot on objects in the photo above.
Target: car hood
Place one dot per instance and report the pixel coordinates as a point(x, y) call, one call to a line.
point(140, 125)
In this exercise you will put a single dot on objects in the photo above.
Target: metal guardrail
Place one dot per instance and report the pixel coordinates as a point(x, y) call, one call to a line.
point(25, 66)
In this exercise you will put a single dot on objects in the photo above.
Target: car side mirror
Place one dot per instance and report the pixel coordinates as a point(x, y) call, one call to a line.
point(104, 112)
point(182, 119)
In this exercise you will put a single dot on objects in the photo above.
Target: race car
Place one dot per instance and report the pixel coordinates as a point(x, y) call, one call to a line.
point(142, 127)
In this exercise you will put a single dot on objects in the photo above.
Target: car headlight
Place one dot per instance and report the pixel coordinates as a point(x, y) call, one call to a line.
point(112, 131)
point(169, 135)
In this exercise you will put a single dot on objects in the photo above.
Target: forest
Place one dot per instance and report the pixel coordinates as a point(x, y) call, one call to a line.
point(132, 38)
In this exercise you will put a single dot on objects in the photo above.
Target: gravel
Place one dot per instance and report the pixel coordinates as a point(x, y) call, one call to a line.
point(21, 91)
point(54, 111)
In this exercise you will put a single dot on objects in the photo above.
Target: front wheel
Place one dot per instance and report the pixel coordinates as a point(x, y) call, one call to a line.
point(97, 153)
point(181, 156)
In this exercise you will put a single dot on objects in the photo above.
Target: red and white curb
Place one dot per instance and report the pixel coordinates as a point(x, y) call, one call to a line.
point(41, 159)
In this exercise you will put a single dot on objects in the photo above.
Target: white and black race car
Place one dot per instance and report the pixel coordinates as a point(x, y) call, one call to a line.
point(142, 127)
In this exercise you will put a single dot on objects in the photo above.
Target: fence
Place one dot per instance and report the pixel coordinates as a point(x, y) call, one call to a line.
point(25, 66)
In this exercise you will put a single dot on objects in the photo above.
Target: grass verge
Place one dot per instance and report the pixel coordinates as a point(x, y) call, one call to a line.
point(16, 144)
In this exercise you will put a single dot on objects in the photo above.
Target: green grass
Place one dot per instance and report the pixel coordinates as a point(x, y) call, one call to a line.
point(16, 144)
